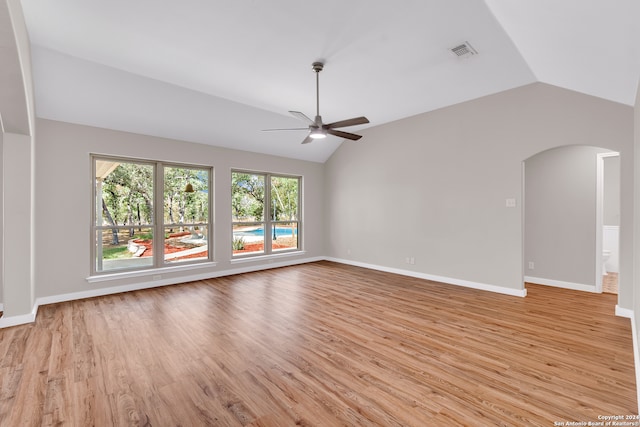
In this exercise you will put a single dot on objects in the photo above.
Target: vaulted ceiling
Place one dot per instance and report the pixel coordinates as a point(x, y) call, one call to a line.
point(218, 72)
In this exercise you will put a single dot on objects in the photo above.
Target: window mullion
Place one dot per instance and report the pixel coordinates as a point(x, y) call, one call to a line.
point(299, 214)
point(268, 244)
point(158, 215)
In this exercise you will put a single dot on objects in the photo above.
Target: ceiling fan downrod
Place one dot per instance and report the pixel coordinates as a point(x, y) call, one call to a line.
point(317, 67)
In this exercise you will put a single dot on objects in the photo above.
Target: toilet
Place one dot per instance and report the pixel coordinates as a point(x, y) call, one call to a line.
point(605, 257)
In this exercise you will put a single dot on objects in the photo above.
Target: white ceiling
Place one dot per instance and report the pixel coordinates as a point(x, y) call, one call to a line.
point(218, 72)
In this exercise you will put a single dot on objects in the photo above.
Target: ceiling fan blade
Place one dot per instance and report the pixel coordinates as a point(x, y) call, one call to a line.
point(307, 140)
point(271, 130)
point(348, 122)
point(346, 135)
point(302, 117)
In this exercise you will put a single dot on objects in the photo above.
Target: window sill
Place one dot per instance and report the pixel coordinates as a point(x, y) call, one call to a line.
point(148, 272)
point(251, 258)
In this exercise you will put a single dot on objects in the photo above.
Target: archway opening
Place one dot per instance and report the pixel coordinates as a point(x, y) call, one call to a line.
point(568, 201)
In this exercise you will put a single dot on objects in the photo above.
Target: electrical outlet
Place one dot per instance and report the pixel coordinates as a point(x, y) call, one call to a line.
point(531, 265)
point(412, 261)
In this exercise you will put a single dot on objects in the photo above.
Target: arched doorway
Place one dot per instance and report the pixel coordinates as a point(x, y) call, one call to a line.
point(564, 217)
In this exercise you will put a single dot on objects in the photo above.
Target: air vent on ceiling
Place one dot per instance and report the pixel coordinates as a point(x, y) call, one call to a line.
point(464, 50)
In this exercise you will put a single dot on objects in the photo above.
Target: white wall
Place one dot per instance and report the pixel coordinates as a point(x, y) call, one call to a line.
point(434, 186)
point(560, 215)
point(63, 201)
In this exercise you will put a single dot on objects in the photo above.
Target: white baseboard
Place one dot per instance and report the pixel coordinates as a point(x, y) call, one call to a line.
point(166, 282)
point(560, 284)
point(442, 279)
point(30, 317)
point(636, 354)
point(6, 322)
point(630, 314)
point(624, 312)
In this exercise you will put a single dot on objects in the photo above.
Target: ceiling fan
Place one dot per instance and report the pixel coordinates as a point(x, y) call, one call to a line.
point(317, 129)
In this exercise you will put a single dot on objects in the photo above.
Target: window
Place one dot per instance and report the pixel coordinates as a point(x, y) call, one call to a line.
point(265, 213)
point(130, 232)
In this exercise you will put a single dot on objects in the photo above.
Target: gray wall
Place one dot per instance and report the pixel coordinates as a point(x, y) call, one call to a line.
point(2, 220)
point(560, 215)
point(434, 186)
point(63, 200)
point(18, 123)
point(431, 187)
point(611, 202)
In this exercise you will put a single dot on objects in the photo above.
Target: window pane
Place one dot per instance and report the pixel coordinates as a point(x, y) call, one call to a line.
point(247, 197)
point(186, 195)
point(284, 236)
point(284, 199)
point(126, 228)
point(248, 239)
point(186, 243)
point(120, 248)
point(124, 193)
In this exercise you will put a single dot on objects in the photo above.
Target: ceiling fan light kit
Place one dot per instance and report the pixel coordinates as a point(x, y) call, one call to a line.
point(318, 129)
point(317, 134)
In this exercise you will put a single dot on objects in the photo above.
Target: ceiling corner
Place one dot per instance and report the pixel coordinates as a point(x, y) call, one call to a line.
point(499, 14)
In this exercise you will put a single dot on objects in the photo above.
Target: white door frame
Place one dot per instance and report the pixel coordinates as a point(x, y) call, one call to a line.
point(600, 213)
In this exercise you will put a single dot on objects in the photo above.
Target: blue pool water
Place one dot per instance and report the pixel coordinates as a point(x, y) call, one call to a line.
point(259, 232)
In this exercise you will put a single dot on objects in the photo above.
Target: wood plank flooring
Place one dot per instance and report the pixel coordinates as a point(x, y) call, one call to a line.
point(319, 344)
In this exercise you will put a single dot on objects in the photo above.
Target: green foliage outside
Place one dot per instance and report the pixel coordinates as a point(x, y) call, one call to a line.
point(127, 200)
point(238, 244)
point(115, 252)
point(127, 197)
point(183, 207)
point(248, 198)
point(127, 194)
point(284, 198)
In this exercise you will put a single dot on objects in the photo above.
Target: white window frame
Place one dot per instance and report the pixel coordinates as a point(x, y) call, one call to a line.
point(158, 226)
point(267, 221)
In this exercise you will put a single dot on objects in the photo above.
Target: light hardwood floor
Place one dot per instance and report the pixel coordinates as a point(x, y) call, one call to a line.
point(610, 283)
point(319, 344)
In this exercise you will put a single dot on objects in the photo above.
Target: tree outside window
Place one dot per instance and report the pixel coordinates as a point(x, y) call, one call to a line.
point(130, 232)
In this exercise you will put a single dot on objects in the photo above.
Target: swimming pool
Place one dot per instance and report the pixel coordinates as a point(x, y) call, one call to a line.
point(259, 232)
